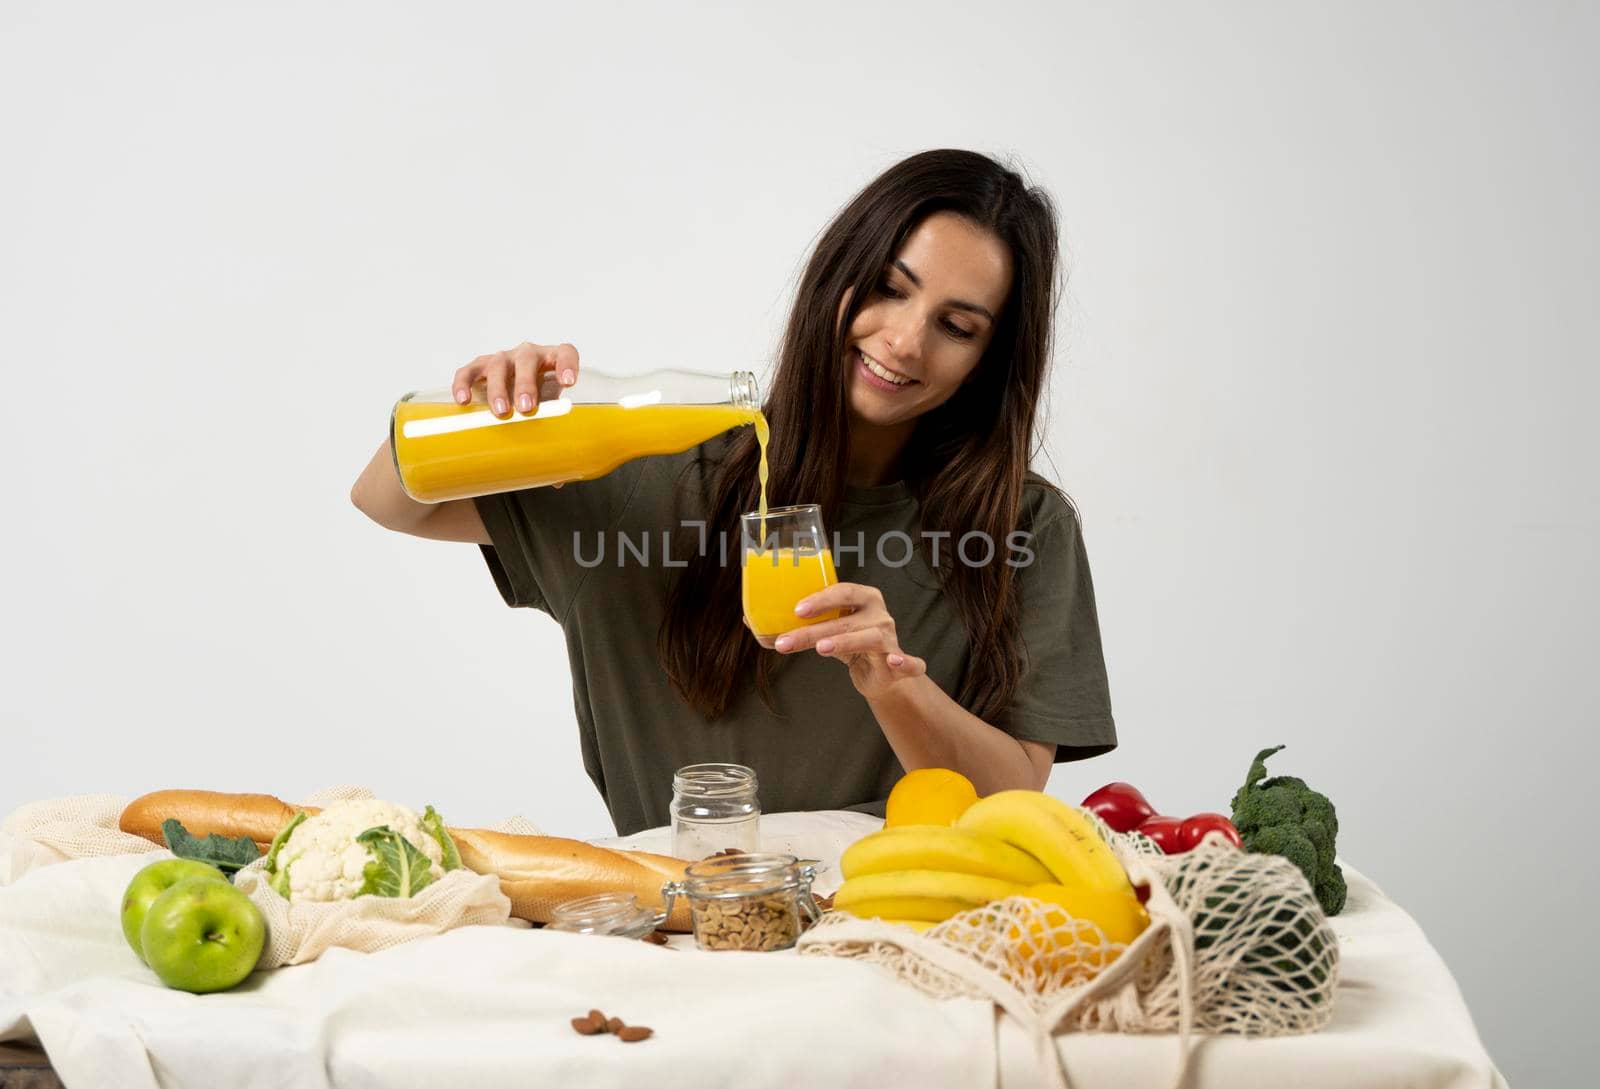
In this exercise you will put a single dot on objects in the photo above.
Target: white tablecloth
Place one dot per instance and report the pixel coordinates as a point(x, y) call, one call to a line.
point(490, 1006)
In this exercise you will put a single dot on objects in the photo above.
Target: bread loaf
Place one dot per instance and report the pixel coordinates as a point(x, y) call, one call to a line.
point(535, 872)
point(203, 812)
point(539, 872)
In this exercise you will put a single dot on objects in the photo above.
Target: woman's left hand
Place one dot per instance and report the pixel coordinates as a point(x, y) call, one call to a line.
point(863, 638)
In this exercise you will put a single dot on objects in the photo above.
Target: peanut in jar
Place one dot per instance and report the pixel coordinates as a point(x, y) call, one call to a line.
point(747, 902)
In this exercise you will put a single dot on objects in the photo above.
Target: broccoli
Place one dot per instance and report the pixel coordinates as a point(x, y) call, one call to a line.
point(1284, 816)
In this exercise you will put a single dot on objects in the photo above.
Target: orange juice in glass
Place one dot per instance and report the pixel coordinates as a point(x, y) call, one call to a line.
point(786, 558)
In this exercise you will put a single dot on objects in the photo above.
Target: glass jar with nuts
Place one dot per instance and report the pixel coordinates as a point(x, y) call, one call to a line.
point(752, 902)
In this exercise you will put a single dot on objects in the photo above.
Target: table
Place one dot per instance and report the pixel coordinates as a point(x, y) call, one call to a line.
point(489, 1006)
point(26, 1068)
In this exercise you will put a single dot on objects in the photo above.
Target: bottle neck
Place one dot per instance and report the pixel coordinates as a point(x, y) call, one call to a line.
point(742, 390)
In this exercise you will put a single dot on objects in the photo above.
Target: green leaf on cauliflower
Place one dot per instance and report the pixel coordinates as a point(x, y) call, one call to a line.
point(279, 879)
point(435, 827)
point(226, 854)
point(397, 867)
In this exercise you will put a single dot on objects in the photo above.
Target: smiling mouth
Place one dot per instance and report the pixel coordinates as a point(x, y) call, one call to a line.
point(884, 374)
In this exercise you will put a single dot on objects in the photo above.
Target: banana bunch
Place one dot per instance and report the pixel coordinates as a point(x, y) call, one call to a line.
point(1014, 843)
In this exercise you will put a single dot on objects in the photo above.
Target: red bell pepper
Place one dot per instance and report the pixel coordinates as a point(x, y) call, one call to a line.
point(1195, 828)
point(1167, 832)
point(1125, 809)
point(1120, 805)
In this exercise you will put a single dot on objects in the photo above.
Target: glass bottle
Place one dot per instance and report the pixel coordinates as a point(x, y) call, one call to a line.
point(748, 902)
point(444, 450)
point(714, 808)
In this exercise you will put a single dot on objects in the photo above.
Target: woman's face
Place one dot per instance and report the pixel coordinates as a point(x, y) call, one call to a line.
point(928, 321)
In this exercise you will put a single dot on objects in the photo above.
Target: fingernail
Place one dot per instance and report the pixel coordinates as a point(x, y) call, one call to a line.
point(782, 642)
point(499, 406)
point(802, 609)
point(825, 646)
point(896, 660)
point(568, 377)
point(525, 402)
point(461, 396)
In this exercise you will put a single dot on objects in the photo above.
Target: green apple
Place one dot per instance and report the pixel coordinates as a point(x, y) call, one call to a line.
point(151, 882)
point(203, 935)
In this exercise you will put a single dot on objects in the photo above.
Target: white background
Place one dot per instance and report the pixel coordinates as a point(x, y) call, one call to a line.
point(1327, 359)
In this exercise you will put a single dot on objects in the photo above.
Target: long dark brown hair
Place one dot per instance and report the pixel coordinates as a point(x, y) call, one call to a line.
point(966, 460)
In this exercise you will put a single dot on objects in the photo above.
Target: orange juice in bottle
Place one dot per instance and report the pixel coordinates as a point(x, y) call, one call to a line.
point(444, 450)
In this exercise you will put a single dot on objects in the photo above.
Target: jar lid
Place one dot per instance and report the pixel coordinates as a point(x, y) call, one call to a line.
point(604, 913)
point(728, 877)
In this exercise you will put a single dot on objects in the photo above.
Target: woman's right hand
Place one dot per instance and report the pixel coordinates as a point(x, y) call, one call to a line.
point(518, 379)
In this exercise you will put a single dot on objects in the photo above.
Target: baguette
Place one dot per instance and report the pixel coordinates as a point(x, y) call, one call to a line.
point(536, 872)
point(203, 812)
point(539, 872)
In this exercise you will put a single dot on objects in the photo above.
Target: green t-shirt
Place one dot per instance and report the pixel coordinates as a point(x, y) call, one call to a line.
point(591, 555)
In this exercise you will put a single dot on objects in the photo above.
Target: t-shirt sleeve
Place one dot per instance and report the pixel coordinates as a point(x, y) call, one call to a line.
point(547, 541)
point(1063, 696)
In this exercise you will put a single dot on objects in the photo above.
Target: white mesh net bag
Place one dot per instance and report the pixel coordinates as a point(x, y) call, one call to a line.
point(1237, 943)
point(302, 930)
point(85, 826)
point(59, 829)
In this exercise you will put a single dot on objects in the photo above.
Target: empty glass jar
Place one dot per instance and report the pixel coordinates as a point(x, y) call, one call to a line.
point(606, 913)
point(714, 808)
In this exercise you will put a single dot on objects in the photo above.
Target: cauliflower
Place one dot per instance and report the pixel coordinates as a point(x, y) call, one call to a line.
point(359, 847)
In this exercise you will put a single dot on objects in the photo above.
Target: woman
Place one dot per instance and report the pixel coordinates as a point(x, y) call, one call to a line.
point(904, 403)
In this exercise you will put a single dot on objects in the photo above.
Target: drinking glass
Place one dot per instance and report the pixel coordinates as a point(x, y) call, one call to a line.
point(785, 558)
